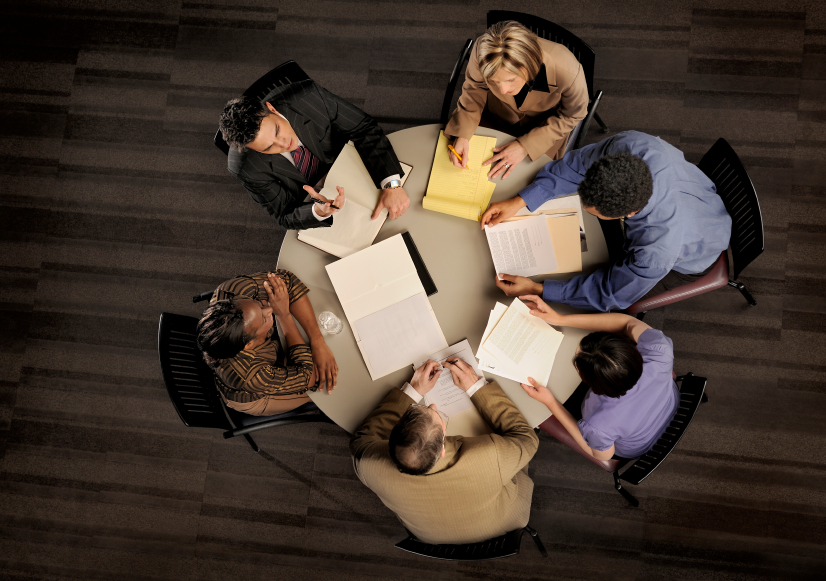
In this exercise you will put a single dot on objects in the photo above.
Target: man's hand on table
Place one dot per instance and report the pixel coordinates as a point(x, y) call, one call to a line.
point(463, 375)
point(503, 210)
point(514, 286)
point(325, 367)
point(395, 200)
point(424, 378)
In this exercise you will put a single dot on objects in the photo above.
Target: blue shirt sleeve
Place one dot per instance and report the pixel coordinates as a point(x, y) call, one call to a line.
point(615, 287)
point(562, 177)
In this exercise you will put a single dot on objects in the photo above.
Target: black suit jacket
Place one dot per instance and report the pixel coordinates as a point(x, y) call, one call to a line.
point(324, 123)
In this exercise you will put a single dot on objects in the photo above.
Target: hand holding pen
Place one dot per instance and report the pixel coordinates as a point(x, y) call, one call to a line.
point(326, 207)
point(460, 152)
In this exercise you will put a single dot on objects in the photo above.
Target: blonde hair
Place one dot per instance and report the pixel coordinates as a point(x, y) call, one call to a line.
point(510, 45)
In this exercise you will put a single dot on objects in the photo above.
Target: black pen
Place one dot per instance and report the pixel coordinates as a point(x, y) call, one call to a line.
point(332, 205)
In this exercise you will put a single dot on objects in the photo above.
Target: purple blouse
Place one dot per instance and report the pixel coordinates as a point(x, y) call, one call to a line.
point(635, 421)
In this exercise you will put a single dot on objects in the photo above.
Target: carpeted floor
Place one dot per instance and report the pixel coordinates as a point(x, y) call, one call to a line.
point(115, 206)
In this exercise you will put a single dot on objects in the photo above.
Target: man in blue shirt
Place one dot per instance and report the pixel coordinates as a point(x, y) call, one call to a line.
point(676, 225)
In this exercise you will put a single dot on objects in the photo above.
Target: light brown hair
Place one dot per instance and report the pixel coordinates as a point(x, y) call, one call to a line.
point(510, 45)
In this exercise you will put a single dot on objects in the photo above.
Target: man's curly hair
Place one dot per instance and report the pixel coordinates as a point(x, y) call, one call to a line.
point(241, 120)
point(617, 185)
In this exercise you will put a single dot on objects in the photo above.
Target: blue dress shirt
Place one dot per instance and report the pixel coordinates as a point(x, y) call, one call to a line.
point(683, 227)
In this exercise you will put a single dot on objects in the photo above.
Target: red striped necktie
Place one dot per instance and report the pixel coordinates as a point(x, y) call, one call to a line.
point(306, 163)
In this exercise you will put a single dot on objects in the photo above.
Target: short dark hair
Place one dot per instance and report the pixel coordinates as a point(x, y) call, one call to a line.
point(609, 363)
point(241, 120)
point(220, 332)
point(617, 185)
point(416, 441)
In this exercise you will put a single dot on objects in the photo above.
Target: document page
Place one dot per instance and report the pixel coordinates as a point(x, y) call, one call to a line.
point(561, 206)
point(447, 397)
point(352, 229)
point(522, 247)
point(522, 345)
point(399, 334)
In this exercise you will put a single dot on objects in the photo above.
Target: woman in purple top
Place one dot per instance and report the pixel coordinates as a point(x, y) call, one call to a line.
point(627, 367)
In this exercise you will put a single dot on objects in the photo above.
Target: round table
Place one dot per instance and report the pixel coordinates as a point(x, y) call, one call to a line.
point(457, 255)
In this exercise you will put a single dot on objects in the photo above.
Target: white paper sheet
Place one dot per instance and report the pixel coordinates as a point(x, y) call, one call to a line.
point(521, 345)
point(396, 335)
point(448, 398)
point(523, 247)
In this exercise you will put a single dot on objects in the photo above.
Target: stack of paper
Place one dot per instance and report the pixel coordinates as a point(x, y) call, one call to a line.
point(448, 398)
point(516, 345)
point(464, 192)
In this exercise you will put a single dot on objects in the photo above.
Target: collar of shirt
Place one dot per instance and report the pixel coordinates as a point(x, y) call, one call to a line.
point(288, 154)
point(538, 83)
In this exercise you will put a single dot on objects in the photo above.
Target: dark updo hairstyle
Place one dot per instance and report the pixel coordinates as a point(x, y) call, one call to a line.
point(241, 120)
point(416, 441)
point(221, 332)
point(617, 185)
point(609, 363)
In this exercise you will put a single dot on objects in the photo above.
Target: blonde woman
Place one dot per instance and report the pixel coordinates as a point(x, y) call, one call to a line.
point(524, 85)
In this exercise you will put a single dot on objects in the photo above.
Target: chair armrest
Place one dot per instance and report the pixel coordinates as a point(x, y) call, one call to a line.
point(718, 277)
point(583, 131)
point(278, 422)
point(558, 431)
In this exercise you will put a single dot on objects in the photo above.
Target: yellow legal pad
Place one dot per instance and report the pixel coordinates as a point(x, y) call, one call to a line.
point(464, 193)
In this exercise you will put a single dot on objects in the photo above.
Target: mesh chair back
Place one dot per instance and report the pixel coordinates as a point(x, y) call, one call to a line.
point(189, 381)
point(555, 33)
point(283, 74)
point(691, 393)
point(725, 169)
point(504, 546)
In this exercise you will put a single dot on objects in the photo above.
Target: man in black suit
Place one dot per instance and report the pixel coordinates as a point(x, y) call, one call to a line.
point(270, 142)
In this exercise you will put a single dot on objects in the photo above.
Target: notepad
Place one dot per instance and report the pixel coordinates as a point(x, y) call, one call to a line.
point(464, 193)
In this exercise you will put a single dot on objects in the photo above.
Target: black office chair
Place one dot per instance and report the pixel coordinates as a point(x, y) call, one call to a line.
point(505, 546)
point(191, 387)
point(464, 55)
point(283, 74)
point(692, 392)
point(723, 167)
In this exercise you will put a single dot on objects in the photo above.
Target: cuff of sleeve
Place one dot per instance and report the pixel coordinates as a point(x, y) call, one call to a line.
point(476, 386)
point(389, 179)
point(317, 217)
point(412, 393)
point(552, 291)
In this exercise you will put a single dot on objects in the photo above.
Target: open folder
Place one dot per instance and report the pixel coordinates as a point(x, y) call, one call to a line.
point(387, 307)
point(352, 229)
point(564, 232)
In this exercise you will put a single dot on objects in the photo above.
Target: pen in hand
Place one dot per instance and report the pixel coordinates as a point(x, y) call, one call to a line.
point(450, 147)
point(332, 205)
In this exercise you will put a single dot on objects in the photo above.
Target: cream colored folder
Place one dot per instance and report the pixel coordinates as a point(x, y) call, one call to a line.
point(382, 281)
point(564, 231)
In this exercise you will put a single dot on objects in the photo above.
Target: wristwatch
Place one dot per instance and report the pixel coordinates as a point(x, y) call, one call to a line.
point(392, 185)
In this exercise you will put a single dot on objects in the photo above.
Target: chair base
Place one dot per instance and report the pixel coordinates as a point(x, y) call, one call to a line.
point(744, 291)
point(601, 123)
point(624, 491)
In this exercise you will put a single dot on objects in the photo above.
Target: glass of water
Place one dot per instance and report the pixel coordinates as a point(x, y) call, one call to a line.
point(329, 323)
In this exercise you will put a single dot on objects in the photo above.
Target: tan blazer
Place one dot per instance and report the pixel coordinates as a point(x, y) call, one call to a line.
point(480, 489)
point(553, 115)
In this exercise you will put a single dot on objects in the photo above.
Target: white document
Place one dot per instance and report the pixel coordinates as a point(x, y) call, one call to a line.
point(352, 229)
point(377, 278)
point(448, 398)
point(522, 247)
point(394, 336)
point(496, 314)
point(521, 345)
point(555, 206)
